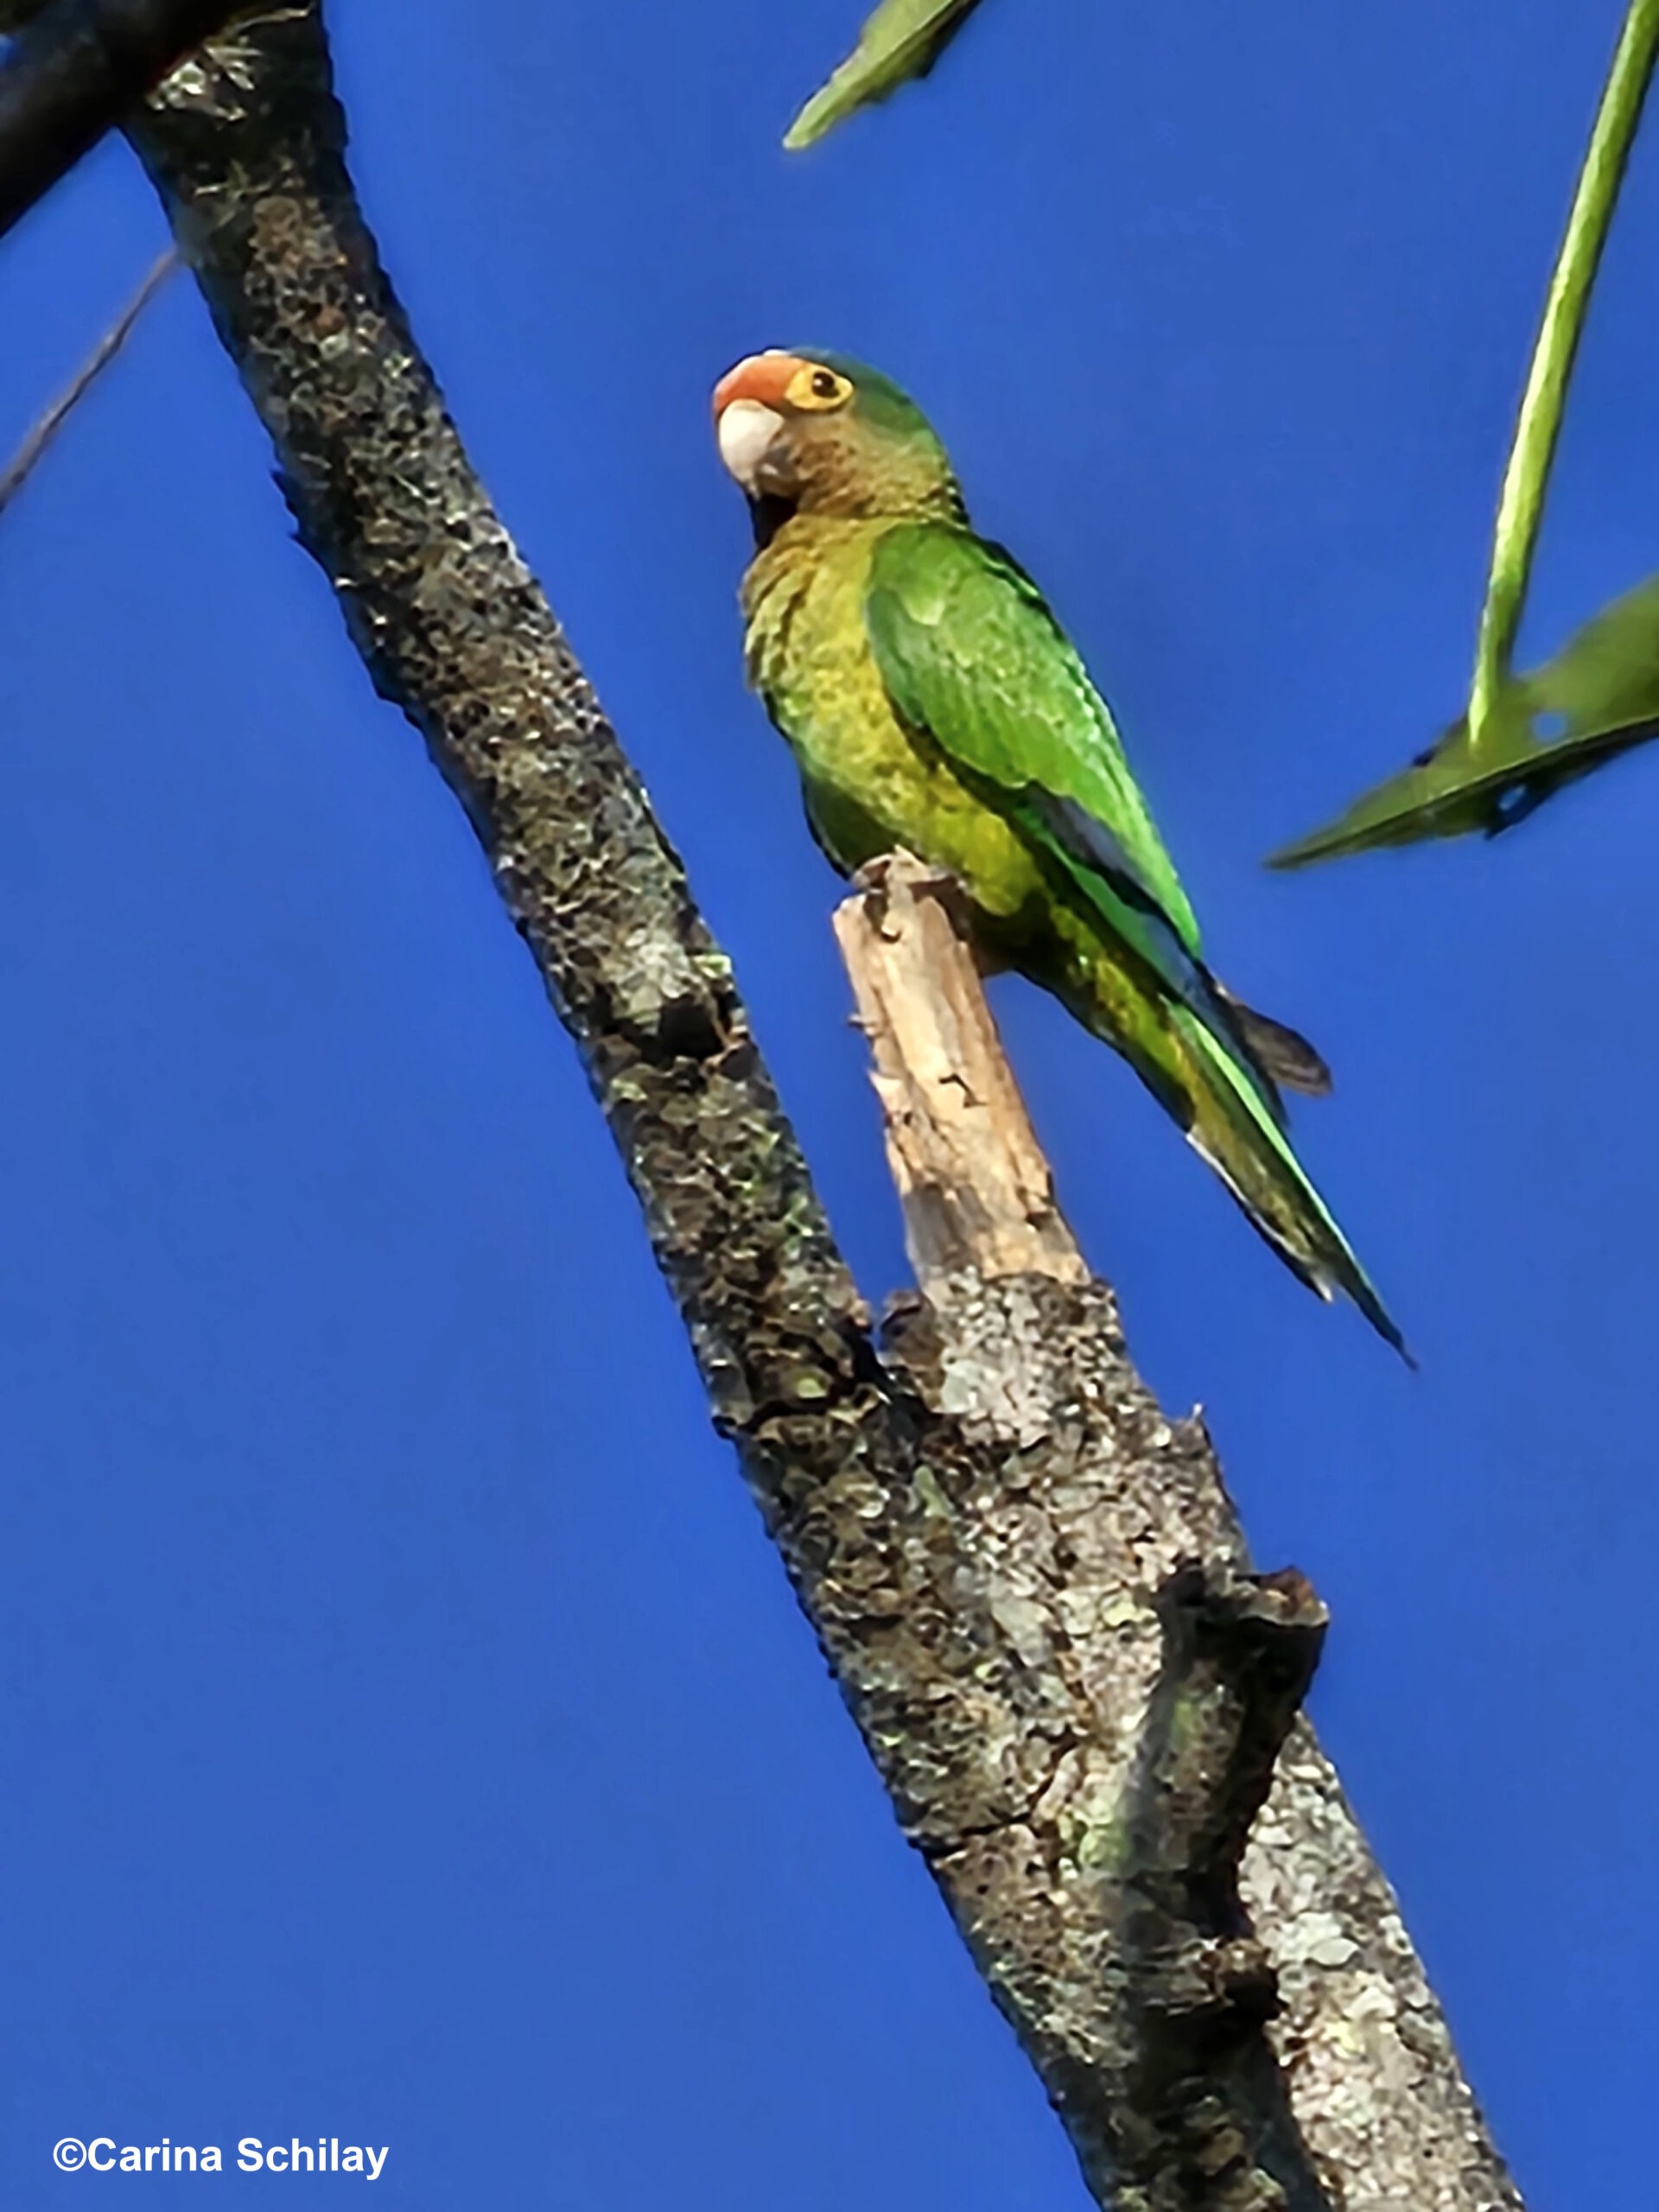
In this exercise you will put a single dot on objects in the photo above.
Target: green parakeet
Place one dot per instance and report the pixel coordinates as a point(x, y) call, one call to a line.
point(932, 701)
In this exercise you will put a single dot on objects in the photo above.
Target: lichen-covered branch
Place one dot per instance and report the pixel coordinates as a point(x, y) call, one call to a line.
point(994, 1567)
point(1140, 1944)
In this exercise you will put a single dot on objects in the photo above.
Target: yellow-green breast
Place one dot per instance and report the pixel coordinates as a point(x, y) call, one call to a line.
point(871, 784)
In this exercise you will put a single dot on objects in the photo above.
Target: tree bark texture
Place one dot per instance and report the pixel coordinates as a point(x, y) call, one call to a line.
point(1237, 1969)
point(1029, 1583)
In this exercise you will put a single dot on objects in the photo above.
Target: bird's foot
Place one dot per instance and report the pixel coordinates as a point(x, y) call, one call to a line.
point(900, 872)
point(878, 876)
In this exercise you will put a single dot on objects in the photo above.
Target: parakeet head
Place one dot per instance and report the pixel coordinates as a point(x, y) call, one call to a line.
point(810, 433)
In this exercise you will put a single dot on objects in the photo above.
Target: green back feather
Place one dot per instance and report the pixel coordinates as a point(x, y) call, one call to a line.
point(969, 651)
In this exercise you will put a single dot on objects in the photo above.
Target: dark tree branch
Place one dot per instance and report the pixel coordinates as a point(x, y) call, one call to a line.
point(75, 72)
point(1195, 1986)
point(1238, 1656)
point(980, 1518)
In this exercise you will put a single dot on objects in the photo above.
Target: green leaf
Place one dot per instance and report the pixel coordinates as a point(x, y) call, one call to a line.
point(903, 39)
point(1597, 698)
point(1521, 739)
point(1532, 453)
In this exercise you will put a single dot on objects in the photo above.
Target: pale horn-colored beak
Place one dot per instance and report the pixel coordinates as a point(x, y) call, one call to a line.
point(745, 431)
point(747, 418)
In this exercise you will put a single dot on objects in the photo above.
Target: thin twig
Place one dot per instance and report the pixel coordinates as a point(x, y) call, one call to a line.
point(22, 463)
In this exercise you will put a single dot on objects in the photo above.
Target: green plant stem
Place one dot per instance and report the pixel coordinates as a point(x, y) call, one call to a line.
point(1520, 503)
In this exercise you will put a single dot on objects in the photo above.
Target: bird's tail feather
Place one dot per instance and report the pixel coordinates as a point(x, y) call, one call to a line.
point(1282, 1053)
point(1233, 1129)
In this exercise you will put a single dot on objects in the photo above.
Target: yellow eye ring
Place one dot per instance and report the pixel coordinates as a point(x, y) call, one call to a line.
point(817, 391)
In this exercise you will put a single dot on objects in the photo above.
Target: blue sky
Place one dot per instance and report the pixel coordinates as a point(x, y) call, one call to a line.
point(407, 1733)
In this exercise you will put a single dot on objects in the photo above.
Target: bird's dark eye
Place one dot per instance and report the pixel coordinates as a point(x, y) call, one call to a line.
point(824, 386)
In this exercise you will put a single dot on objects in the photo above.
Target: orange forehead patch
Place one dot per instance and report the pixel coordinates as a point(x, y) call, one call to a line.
point(765, 377)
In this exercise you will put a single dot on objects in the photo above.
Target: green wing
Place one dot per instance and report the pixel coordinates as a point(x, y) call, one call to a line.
point(969, 652)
